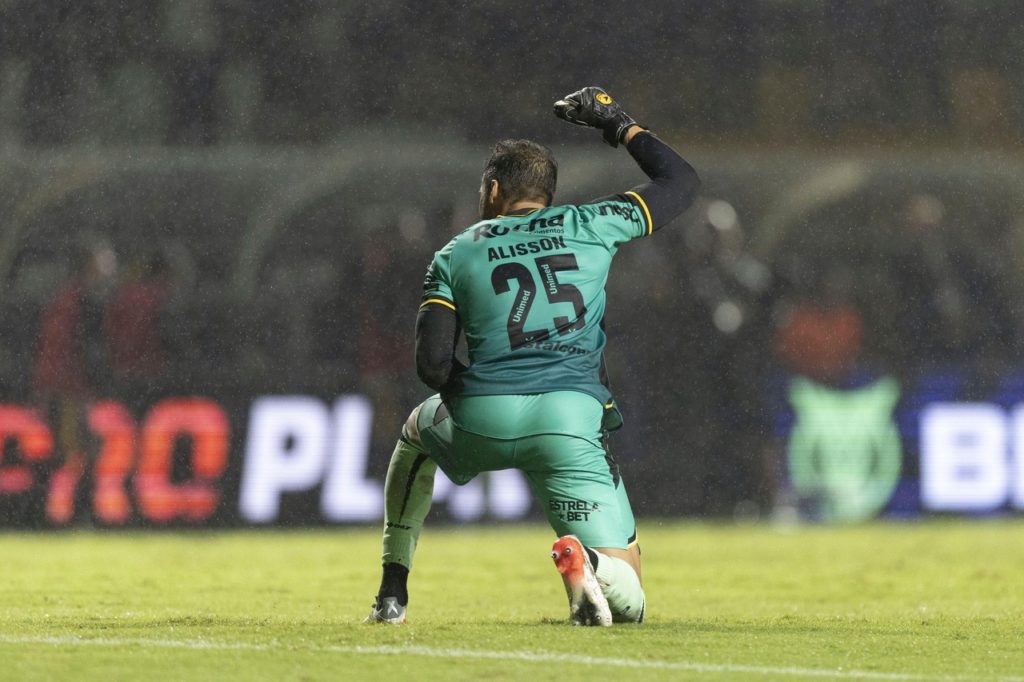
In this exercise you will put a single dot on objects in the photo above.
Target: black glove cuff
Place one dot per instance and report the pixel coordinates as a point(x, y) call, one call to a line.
point(616, 128)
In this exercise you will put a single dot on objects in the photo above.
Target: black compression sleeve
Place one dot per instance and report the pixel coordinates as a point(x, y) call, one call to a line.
point(437, 333)
point(674, 183)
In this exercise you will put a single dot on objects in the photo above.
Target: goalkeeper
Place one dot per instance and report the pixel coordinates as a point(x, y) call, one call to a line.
point(526, 287)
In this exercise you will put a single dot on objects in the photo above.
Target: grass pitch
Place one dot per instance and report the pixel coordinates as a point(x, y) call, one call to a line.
point(929, 601)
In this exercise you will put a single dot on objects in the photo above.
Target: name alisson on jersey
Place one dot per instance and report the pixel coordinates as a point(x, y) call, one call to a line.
point(524, 248)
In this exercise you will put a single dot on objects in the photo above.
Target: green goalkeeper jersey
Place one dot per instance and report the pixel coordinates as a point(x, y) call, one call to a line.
point(529, 290)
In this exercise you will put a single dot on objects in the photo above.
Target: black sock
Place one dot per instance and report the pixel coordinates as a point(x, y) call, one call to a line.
point(593, 557)
point(393, 583)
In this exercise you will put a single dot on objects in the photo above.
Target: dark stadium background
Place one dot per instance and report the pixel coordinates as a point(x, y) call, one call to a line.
point(262, 185)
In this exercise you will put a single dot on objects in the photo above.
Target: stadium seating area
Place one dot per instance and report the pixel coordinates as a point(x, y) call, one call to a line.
point(223, 71)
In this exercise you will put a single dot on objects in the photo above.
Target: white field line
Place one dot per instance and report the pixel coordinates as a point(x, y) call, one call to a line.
point(528, 656)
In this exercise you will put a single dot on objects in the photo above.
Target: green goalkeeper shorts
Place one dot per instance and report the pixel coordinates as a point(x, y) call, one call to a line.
point(555, 439)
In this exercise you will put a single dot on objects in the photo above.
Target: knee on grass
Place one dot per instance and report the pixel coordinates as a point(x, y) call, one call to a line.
point(621, 587)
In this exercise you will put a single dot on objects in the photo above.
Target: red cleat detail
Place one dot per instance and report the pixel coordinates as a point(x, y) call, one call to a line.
point(587, 603)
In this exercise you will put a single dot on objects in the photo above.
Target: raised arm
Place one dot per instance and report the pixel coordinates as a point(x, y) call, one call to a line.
point(673, 182)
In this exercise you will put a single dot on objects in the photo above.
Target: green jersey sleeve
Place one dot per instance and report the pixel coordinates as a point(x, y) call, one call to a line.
point(617, 219)
point(437, 286)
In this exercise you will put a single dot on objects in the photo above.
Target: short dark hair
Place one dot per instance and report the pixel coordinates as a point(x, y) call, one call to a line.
point(523, 169)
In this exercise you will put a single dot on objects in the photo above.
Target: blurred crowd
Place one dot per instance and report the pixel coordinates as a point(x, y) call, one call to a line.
point(879, 283)
point(206, 71)
point(231, 275)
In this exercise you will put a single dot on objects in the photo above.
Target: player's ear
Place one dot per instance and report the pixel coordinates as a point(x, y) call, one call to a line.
point(494, 191)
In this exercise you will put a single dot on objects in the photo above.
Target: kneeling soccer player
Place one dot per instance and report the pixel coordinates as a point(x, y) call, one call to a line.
point(526, 287)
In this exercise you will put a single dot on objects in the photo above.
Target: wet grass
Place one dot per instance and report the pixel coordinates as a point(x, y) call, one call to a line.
point(937, 600)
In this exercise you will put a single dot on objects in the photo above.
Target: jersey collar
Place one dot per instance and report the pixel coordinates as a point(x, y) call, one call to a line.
point(518, 213)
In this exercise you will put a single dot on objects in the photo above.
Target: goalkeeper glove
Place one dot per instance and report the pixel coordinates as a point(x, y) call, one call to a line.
point(594, 108)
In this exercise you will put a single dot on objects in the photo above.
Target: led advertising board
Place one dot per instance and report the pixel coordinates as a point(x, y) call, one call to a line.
point(196, 461)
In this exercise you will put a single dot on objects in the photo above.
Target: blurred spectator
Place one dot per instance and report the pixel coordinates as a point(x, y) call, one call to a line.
point(386, 322)
point(52, 61)
point(853, 89)
point(911, 33)
point(724, 275)
point(137, 356)
point(733, 53)
point(729, 291)
point(821, 336)
point(72, 368)
point(951, 304)
point(933, 318)
point(192, 60)
point(72, 359)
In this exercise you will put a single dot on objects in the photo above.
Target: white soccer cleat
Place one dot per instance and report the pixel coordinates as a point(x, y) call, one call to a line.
point(386, 610)
point(587, 603)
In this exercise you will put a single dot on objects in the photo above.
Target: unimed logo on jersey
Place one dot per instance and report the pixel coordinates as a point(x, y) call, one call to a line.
point(623, 212)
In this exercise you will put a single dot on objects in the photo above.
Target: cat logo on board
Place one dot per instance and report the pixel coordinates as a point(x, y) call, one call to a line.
point(844, 452)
